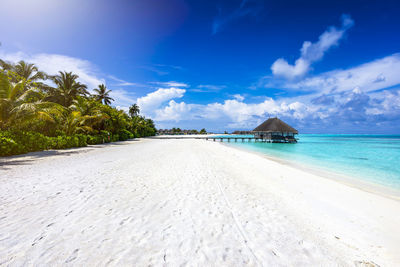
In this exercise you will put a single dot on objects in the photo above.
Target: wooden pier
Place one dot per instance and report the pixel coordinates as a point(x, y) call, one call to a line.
point(228, 139)
point(235, 139)
point(250, 139)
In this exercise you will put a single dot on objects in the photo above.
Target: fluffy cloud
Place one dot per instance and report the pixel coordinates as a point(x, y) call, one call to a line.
point(238, 97)
point(282, 68)
point(232, 113)
point(52, 63)
point(311, 52)
point(351, 111)
point(358, 98)
point(385, 104)
point(375, 75)
point(242, 114)
point(152, 101)
point(323, 100)
point(174, 111)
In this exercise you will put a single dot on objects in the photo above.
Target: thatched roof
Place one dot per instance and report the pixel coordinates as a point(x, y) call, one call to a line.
point(275, 125)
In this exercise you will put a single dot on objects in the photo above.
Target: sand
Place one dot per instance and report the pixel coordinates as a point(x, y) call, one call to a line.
point(185, 202)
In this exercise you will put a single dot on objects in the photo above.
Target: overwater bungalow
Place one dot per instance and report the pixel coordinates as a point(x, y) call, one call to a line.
point(276, 131)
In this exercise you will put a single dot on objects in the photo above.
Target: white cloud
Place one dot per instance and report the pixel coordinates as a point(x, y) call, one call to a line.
point(121, 82)
point(243, 114)
point(173, 112)
point(371, 76)
point(339, 111)
point(53, 63)
point(123, 98)
point(87, 72)
point(152, 101)
point(311, 52)
point(232, 113)
point(208, 88)
point(161, 69)
point(238, 97)
point(282, 68)
point(171, 84)
point(389, 104)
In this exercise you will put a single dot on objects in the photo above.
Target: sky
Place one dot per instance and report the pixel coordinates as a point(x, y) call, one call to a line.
point(321, 66)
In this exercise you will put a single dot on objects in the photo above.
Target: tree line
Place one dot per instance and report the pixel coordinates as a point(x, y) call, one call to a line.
point(40, 111)
point(180, 131)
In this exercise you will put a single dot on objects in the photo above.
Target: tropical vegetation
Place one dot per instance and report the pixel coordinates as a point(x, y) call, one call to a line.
point(178, 131)
point(40, 111)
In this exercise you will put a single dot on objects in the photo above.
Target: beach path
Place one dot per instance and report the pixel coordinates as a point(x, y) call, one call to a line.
point(184, 202)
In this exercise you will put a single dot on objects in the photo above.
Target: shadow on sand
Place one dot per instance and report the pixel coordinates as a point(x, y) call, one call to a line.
point(32, 157)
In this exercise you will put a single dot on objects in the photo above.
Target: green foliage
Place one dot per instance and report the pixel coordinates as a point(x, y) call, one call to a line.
point(125, 135)
point(13, 143)
point(106, 136)
point(31, 141)
point(64, 141)
point(35, 116)
point(203, 131)
point(68, 88)
point(116, 119)
point(134, 110)
point(102, 95)
point(8, 146)
point(115, 138)
point(82, 140)
point(22, 142)
point(95, 139)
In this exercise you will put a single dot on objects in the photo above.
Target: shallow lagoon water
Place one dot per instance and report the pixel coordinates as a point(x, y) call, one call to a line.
point(371, 158)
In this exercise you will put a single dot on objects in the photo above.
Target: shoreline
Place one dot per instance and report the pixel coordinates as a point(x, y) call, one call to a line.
point(348, 180)
point(202, 204)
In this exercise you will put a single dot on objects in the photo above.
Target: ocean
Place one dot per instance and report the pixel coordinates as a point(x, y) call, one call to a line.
point(370, 158)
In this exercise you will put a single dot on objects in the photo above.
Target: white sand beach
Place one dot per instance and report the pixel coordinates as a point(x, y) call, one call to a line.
point(185, 202)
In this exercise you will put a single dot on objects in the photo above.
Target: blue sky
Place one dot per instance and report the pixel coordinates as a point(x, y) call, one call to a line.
point(322, 66)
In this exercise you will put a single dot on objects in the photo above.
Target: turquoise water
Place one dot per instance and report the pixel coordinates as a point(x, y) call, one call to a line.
point(373, 158)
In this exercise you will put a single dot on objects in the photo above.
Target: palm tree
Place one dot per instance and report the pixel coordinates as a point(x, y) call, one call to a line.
point(103, 95)
point(89, 110)
point(28, 71)
point(134, 110)
point(75, 122)
point(86, 106)
point(68, 89)
point(142, 126)
point(19, 105)
point(117, 119)
point(5, 65)
point(23, 71)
